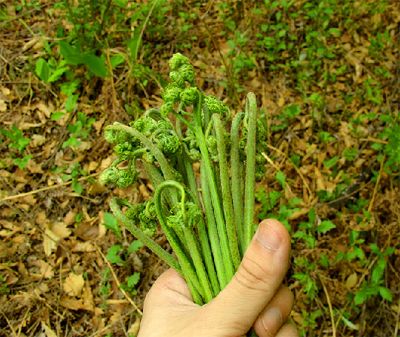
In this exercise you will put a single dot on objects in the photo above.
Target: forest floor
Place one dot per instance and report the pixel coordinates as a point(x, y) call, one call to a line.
point(327, 78)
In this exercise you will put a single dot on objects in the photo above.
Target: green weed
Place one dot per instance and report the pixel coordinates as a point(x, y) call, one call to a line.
point(17, 144)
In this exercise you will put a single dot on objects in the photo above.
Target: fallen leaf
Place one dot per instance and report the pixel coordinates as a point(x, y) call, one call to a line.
point(41, 219)
point(50, 241)
point(72, 303)
point(69, 218)
point(5, 91)
point(45, 269)
point(48, 331)
point(77, 304)
point(98, 125)
point(3, 106)
point(73, 284)
point(87, 297)
point(85, 247)
point(34, 167)
point(351, 281)
point(37, 140)
point(134, 328)
point(87, 231)
point(61, 230)
point(92, 166)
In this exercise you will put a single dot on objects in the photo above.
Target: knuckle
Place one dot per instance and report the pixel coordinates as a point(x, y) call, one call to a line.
point(253, 274)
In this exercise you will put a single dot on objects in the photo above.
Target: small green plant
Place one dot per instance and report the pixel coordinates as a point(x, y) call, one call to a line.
point(4, 289)
point(73, 173)
point(373, 91)
point(375, 285)
point(288, 115)
point(105, 286)
point(79, 131)
point(306, 276)
point(310, 321)
point(111, 223)
point(389, 151)
point(118, 255)
point(267, 200)
point(308, 231)
point(17, 144)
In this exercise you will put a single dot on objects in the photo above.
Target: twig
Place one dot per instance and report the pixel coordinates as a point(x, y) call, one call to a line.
point(396, 327)
point(295, 167)
point(117, 281)
point(100, 332)
point(9, 324)
point(328, 299)
point(375, 140)
point(276, 167)
point(21, 195)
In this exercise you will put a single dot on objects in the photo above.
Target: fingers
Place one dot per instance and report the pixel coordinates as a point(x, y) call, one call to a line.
point(169, 289)
point(275, 313)
point(288, 330)
point(167, 301)
point(257, 279)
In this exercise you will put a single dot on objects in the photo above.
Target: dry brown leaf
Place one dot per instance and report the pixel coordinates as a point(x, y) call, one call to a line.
point(61, 230)
point(117, 313)
point(106, 162)
point(3, 106)
point(31, 43)
point(37, 140)
point(5, 91)
point(351, 281)
point(29, 199)
point(72, 303)
point(41, 219)
point(102, 230)
point(299, 213)
point(73, 284)
point(96, 188)
point(281, 101)
point(50, 241)
point(92, 166)
point(319, 179)
point(87, 231)
point(34, 167)
point(98, 125)
point(48, 331)
point(87, 297)
point(84, 247)
point(47, 110)
point(69, 218)
point(45, 269)
point(134, 328)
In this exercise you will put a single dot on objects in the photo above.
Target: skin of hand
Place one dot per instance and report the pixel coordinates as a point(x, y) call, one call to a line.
point(255, 297)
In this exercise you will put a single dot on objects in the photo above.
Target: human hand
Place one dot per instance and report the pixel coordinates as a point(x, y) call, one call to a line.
point(255, 297)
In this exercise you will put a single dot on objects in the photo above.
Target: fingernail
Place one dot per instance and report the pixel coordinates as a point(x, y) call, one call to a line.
point(272, 320)
point(268, 237)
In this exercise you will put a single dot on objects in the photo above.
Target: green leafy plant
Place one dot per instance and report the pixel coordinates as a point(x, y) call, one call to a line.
point(308, 231)
point(4, 289)
point(118, 255)
point(79, 131)
point(375, 285)
point(73, 173)
point(17, 143)
point(208, 225)
point(288, 114)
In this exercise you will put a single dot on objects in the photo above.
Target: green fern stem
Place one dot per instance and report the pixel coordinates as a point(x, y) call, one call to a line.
point(251, 114)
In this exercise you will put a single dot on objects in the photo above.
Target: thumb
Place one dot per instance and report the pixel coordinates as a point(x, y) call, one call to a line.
point(257, 280)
